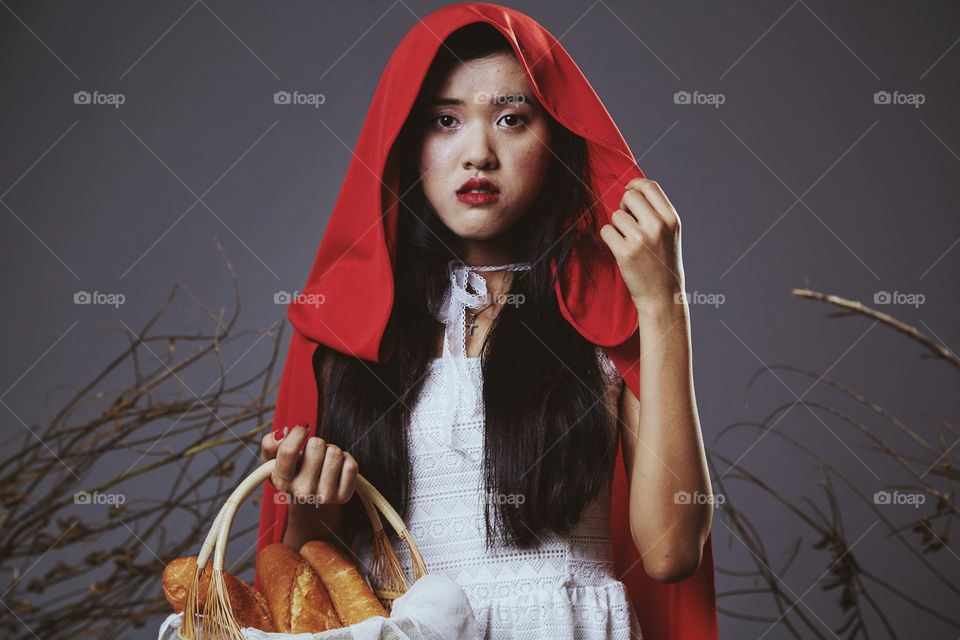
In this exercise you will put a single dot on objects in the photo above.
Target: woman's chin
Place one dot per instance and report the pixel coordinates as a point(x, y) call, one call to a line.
point(472, 234)
point(477, 223)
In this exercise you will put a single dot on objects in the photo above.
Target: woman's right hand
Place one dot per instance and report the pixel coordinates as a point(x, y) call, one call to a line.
point(326, 475)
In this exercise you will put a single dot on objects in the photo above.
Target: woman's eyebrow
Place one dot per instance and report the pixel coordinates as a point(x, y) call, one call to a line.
point(501, 98)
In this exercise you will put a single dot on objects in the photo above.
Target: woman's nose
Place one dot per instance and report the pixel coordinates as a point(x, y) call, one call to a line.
point(478, 152)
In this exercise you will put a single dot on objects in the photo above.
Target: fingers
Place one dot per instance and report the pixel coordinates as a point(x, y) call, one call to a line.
point(288, 455)
point(643, 219)
point(322, 474)
point(348, 478)
point(640, 216)
point(612, 237)
point(656, 201)
point(329, 485)
point(632, 229)
point(305, 484)
point(270, 443)
point(337, 476)
point(266, 448)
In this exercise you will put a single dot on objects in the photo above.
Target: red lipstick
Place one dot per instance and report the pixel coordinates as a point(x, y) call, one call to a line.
point(478, 192)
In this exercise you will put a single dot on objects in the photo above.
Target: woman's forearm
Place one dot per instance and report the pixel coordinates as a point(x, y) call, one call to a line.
point(312, 522)
point(671, 504)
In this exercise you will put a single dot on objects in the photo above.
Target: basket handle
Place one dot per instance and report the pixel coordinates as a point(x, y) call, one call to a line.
point(216, 541)
point(220, 623)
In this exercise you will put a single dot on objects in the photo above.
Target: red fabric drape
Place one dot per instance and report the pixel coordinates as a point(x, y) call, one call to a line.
point(353, 271)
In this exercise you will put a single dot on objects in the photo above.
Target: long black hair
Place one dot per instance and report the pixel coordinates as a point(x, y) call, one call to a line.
point(548, 441)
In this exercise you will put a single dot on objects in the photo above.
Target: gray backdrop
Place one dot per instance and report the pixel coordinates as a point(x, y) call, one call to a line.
point(788, 169)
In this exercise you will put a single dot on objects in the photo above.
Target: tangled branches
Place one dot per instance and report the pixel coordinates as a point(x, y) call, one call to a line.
point(96, 501)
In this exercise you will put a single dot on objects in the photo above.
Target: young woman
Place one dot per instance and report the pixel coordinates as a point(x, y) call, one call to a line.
point(469, 340)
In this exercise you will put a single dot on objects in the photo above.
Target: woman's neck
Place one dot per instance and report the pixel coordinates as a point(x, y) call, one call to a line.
point(498, 284)
point(479, 253)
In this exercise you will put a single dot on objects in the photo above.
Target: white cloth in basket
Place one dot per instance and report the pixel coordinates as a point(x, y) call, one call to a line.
point(434, 608)
point(565, 590)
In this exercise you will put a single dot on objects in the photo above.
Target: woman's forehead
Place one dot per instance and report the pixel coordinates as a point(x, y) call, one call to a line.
point(496, 78)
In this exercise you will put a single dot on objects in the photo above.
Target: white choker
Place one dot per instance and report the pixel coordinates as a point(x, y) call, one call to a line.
point(452, 313)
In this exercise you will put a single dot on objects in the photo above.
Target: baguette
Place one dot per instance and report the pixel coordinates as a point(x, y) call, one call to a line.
point(296, 597)
point(351, 595)
point(248, 605)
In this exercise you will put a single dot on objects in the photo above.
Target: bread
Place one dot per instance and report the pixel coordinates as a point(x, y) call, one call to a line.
point(248, 605)
point(296, 597)
point(177, 576)
point(315, 590)
point(351, 595)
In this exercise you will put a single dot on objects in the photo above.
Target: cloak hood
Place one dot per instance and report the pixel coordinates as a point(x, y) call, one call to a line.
point(353, 272)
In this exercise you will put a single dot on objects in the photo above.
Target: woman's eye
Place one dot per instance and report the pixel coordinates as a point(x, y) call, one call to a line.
point(512, 120)
point(445, 121)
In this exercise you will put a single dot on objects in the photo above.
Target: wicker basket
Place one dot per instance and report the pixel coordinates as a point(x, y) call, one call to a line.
point(386, 572)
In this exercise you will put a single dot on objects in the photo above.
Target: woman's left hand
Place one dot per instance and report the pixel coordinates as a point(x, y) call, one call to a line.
point(645, 240)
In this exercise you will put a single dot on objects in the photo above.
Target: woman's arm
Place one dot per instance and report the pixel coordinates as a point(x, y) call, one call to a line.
point(317, 482)
point(671, 505)
point(305, 523)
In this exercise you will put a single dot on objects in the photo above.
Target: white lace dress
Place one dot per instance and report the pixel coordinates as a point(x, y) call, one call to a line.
point(565, 589)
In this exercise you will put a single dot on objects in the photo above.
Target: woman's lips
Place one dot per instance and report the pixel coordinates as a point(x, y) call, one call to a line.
point(478, 192)
point(478, 198)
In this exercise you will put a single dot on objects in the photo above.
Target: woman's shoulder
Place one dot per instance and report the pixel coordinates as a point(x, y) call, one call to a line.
point(607, 367)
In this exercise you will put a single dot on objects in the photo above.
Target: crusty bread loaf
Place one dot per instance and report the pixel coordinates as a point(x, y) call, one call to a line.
point(177, 576)
point(351, 595)
point(296, 597)
point(247, 604)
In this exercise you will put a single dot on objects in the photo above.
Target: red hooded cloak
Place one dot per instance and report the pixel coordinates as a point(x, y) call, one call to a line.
point(353, 272)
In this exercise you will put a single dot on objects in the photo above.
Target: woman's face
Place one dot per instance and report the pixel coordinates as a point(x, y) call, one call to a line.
point(480, 121)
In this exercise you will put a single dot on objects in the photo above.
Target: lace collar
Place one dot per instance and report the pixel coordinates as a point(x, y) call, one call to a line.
point(452, 313)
